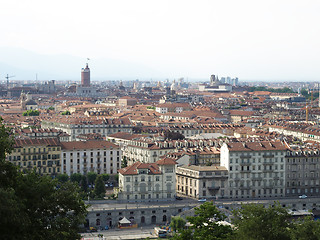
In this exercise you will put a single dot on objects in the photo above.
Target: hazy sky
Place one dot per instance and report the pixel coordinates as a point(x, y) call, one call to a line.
point(250, 39)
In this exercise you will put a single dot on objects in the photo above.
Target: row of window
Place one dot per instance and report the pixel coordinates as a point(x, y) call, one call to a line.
point(36, 150)
point(256, 167)
point(91, 154)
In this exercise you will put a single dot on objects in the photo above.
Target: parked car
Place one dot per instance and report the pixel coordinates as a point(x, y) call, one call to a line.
point(303, 196)
point(179, 198)
point(202, 200)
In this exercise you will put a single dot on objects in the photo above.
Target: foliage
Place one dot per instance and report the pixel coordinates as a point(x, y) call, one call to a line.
point(307, 94)
point(63, 177)
point(150, 107)
point(116, 177)
point(51, 108)
point(99, 187)
point(204, 225)
point(31, 112)
point(305, 229)
point(66, 113)
point(254, 221)
point(177, 223)
point(277, 90)
point(34, 206)
point(76, 177)
point(6, 141)
point(168, 135)
point(91, 176)
point(84, 183)
point(105, 177)
point(124, 162)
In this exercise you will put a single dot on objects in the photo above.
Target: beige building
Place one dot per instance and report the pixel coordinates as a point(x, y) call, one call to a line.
point(76, 126)
point(256, 169)
point(198, 182)
point(148, 181)
point(302, 172)
point(43, 155)
point(90, 156)
point(127, 101)
point(146, 152)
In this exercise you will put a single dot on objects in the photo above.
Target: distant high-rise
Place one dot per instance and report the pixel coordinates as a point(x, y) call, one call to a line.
point(85, 76)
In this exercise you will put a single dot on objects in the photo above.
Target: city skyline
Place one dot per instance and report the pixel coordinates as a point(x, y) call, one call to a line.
point(262, 41)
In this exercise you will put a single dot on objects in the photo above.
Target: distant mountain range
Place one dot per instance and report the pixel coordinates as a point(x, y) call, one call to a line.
point(26, 65)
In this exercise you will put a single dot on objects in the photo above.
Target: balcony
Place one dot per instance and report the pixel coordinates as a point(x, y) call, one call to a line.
point(243, 156)
point(268, 163)
point(214, 188)
point(257, 178)
point(245, 163)
point(268, 156)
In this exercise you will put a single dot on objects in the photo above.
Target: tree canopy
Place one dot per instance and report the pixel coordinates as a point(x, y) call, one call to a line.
point(255, 221)
point(31, 112)
point(205, 225)
point(173, 135)
point(34, 206)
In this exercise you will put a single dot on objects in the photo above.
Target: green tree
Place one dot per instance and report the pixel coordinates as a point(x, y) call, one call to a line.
point(173, 135)
point(105, 177)
point(6, 140)
point(51, 108)
point(31, 112)
point(99, 187)
point(124, 162)
point(84, 183)
point(254, 221)
point(177, 223)
point(63, 177)
point(91, 176)
point(305, 229)
point(66, 113)
point(34, 206)
point(76, 177)
point(205, 225)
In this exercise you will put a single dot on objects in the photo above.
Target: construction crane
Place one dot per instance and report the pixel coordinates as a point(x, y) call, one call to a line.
point(8, 77)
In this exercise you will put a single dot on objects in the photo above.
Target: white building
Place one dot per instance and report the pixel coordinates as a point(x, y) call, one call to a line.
point(256, 169)
point(198, 182)
point(75, 126)
point(90, 156)
point(148, 181)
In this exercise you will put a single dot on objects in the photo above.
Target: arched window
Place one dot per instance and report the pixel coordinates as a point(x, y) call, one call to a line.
point(143, 220)
point(153, 219)
point(128, 188)
point(98, 222)
point(157, 187)
point(169, 185)
point(164, 218)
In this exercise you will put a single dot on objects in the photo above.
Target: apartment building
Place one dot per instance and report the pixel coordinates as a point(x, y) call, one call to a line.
point(198, 182)
point(146, 151)
point(173, 107)
point(43, 155)
point(75, 126)
point(148, 181)
point(90, 156)
point(151, 151)
point(189, 130)
point(256, 169)
point(302, 172)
